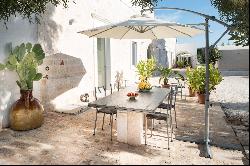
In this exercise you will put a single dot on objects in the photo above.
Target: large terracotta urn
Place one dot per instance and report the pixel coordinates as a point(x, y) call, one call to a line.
point(26, 113)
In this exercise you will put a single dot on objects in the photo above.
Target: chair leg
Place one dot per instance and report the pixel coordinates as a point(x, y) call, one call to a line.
point(95, 122)
point(111, 125)
point(171, 125)
point(109, 119)
point(181, 92)
point(103, 120)
point(146, 128)
point(175, 118)
point(167, 133)
point(152, 124)
point(159, 120)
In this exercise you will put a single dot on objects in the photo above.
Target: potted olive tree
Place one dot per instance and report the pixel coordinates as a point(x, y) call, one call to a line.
point(199, 81)
point(27, 112)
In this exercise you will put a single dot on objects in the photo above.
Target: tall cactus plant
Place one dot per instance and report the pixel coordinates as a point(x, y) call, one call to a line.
point(25, 59)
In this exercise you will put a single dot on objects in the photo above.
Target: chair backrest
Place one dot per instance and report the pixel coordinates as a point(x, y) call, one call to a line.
point(100, 92)
point(180, 81)
point(172, 95)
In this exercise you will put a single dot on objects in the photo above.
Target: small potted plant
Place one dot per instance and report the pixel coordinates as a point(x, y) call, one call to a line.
point(199, 74)
point(145, 70)
point(27, 112)
point(166, 73)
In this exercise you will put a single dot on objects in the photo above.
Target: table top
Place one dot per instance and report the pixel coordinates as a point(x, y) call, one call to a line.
point(145, 102)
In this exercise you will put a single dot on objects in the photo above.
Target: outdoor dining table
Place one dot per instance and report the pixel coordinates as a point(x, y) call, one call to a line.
point(131, 113)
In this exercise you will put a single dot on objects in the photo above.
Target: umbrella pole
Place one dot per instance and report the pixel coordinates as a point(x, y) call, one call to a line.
point(207, 141)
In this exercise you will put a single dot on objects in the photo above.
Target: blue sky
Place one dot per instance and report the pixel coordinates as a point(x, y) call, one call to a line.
point(202, 6)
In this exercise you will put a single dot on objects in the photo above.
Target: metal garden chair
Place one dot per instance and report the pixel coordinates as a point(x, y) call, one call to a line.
point(163, 116)
point(111, 112)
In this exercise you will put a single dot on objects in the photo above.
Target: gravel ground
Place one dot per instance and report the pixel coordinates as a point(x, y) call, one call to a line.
point(233, 94)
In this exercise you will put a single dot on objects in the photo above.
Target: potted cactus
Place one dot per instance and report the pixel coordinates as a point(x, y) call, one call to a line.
point(27, 112)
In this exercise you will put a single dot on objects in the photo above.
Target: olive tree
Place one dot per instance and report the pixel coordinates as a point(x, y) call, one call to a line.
point(26, 8)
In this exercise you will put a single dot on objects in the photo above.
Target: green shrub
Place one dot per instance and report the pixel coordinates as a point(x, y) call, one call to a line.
point(197, 78)
point(214, 56)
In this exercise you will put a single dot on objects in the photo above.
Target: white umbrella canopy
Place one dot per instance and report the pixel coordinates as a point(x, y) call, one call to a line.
point(143, 27)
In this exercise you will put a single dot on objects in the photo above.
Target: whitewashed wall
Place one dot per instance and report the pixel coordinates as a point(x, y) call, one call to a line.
point(18, 31)
point(58, 35)
point(190, 48)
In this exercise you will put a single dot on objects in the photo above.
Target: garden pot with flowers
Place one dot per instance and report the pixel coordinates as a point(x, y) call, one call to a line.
point(145, 70)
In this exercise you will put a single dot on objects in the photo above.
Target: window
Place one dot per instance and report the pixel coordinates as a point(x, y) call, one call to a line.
point(134, 53)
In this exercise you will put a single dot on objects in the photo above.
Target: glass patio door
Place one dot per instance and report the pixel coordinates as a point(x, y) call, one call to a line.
point(103, 58)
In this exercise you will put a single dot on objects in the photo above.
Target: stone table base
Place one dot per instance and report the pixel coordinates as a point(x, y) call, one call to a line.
point(130, 127)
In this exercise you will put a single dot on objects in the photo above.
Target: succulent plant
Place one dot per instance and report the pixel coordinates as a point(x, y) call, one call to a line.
point(25, 59)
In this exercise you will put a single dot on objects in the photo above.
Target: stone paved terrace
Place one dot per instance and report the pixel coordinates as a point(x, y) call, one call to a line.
point(68, 139)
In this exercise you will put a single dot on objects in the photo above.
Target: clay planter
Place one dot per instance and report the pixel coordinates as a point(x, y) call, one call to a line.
point(201, 98)
point(165, 86)
point(26, 113)
point(191, 93)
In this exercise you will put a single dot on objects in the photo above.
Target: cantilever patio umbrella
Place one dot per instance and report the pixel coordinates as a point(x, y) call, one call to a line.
point(143, 27)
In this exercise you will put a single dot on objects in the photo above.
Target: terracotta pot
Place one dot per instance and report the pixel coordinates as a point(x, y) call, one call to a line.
point(26, 113)
point(201, 98)
point(165, 86)
point(191, 93)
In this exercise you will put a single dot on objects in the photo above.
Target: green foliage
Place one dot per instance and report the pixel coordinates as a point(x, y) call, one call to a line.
point(214, 56)
point(25, 59)
point(146, 68)
point(180, 64)
point(165, 74)
point(190, 77)
point(26, 8)
point(2, 66)
point(197, 78)
point(145, 3)
point(236, 13)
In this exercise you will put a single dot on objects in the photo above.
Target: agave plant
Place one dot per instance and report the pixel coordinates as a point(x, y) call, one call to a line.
point(25, 59)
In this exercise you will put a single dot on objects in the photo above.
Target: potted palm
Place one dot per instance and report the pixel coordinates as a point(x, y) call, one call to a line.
point(166, 73)
point(145, 69)
point(199, 74)
point(27, 112)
